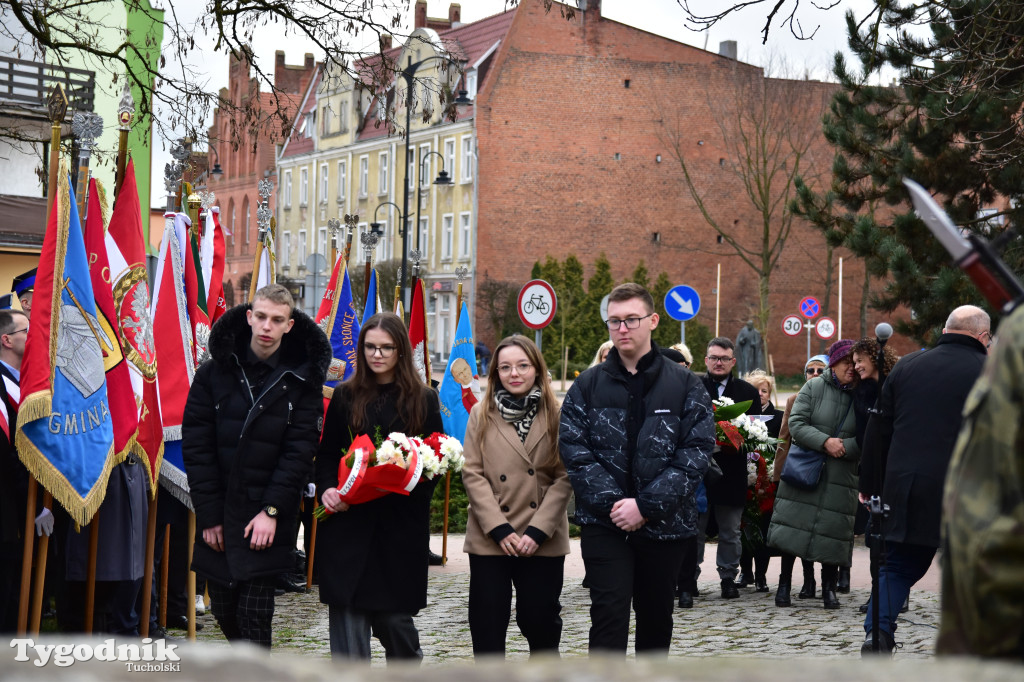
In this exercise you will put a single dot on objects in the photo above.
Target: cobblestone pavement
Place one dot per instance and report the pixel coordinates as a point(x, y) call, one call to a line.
point(751, 626)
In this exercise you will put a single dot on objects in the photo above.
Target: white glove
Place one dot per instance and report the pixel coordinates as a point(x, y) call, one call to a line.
point(44, 523)
point(310, 490)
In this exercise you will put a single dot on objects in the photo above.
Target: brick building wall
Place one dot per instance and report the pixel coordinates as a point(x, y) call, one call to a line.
point(246, 158)
point(571, 125)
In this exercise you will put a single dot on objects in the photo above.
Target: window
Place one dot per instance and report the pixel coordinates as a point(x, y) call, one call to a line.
point(425, 174)
point(343, 117)
point(410, 169)
point(383, 179)
point(449, 157)
point(464, 227)
point(302, 249)
point(467, 158)
point(325, 120)
point(324, 172)
point(321, 242)
point(248, 220)
point(287, 194)
point(364, 176)
point(231, 221)
point(307, 128)
point(303, 187)
point(447, 228)
point(381, 254)
point(471, 84)
point(424, 238)
point(342, 180)
point(286, 248)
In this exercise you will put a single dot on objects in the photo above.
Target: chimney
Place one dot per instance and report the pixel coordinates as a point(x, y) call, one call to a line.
point(454, 13)
point(727, 48)
point(590, 6)
point(385, 42)
point(279, 59)
point(308, 62)
point(421, 14)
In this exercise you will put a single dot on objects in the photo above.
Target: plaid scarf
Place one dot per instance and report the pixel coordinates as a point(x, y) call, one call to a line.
point(520, 412)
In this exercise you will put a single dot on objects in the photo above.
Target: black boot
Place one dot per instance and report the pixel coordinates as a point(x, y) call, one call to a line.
point(782, 594)
point(744, 580)
point(828, 594)
point(809, 589)
point(885, 645)
point(844, 580)
point(685, 600)
point(729, 590)
point(760, 583)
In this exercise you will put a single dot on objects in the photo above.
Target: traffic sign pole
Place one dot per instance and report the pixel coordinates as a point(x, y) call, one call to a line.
point(537, 335)
point(808, 326)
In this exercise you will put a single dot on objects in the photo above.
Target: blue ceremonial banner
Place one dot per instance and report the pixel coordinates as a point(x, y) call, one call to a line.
point(65, 435)
point(338, 319)
point(460, 379)
point(372, 304)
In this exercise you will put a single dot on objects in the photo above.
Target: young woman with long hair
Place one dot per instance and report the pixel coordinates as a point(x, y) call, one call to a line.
point(373, 556)
point(517, 533)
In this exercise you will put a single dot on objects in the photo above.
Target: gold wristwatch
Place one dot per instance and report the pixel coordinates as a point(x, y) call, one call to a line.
point(271, 511)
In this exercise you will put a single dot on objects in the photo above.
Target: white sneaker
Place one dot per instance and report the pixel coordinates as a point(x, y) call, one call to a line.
point(200, 606)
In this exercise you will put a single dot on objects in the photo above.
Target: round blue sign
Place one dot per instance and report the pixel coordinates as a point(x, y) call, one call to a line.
point(682, 302)
point(809, 307)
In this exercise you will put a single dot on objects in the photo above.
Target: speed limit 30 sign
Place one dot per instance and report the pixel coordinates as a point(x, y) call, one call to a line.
point(792, 325)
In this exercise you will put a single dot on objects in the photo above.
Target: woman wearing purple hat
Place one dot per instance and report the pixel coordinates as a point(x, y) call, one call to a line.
point(817, 524)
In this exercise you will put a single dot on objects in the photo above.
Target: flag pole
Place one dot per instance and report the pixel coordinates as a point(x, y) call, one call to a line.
point(369, 242)
point(87, 126)
point(57, 106)
point(90, 573)
point(264, 188)
point(125, 112)
point(460, 274)
point(191, 605)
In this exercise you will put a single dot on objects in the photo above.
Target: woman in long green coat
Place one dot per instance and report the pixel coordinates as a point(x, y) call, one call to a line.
point(817, 524)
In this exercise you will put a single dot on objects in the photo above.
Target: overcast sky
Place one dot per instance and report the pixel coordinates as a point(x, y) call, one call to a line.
point(663, 17)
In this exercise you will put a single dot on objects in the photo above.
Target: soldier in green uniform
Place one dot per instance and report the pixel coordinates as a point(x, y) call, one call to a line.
point(983, 511)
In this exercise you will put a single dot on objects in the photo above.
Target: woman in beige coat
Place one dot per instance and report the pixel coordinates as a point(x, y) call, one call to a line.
point(517, 533)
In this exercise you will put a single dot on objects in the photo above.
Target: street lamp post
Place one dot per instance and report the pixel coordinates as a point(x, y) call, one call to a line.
point(408, 74)
point(442, 180)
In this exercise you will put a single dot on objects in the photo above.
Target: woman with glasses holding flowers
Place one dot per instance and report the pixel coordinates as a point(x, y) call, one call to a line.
point(372, 557)
point(517, 533)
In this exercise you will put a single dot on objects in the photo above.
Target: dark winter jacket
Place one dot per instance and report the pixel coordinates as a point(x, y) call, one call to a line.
point(818, 524)
point(913, 436)
point(375, 555)
point(242, 454)
point(662, 468)
point(731, 488)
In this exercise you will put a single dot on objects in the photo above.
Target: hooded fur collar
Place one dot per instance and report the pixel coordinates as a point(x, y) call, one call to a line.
point(305, 349)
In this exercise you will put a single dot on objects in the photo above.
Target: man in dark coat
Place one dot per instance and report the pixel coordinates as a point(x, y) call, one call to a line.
point(907, 448)
point(249, 434)
point(728, 495)
point(636, 433)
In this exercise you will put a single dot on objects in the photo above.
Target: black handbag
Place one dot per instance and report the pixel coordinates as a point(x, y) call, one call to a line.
point(803, 467)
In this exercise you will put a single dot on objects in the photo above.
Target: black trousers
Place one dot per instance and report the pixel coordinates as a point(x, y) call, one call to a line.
point(349, 631)
point(245, 611)
point(538, 583)
point(624, 570)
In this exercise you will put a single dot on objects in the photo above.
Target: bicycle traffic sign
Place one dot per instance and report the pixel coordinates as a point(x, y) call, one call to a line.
point(792, 325)
point(809, 307)
point(825, 328)
point(537, 303)
point(682, 302)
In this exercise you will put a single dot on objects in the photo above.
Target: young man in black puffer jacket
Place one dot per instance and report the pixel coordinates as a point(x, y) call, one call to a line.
point(636, 436)
point(250, 430)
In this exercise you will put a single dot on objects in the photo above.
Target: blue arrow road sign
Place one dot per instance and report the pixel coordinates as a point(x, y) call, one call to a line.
point(682, 302)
